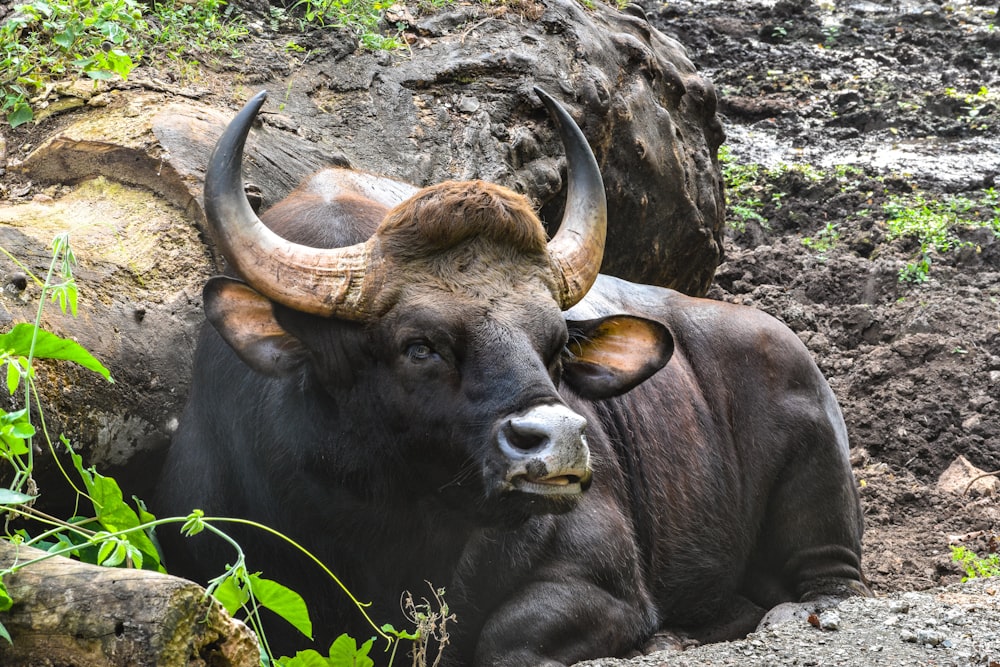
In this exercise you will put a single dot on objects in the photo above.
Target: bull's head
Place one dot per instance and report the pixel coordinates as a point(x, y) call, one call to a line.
point(440, 339)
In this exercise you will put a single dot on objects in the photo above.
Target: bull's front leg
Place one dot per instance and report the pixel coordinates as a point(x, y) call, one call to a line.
point(560, 622)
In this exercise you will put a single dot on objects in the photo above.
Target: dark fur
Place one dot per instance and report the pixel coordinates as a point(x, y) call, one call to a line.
point(721, 484)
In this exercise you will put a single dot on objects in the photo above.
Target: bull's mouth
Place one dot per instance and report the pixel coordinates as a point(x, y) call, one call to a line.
point(566, 484)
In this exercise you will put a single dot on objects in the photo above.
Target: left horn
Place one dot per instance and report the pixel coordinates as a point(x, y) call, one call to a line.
point(322, 281)
point(577, 249)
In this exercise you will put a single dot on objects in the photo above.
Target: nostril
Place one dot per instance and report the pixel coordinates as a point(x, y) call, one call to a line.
point(525, 435)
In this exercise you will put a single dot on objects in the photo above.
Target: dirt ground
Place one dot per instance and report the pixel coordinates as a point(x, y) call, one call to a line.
point(848, 105)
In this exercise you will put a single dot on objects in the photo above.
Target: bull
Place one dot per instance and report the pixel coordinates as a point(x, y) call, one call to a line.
point(419, 386)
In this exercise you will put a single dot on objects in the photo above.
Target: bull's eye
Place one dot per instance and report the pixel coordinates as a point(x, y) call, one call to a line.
point(420, 351)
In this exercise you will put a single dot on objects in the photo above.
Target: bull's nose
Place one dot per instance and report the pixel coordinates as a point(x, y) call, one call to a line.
point(547, 450)
point(543, 427)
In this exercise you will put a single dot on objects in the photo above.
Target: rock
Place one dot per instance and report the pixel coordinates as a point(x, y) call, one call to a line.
point(960, 475)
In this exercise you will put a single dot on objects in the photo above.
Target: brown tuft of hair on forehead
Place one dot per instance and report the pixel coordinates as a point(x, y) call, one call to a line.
point(443, 216)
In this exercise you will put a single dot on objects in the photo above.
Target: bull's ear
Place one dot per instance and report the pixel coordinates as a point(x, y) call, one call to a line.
point(608, 356)
point(245, 319)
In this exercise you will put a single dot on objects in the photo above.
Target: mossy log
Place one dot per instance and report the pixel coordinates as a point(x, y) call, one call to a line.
point(72, 614)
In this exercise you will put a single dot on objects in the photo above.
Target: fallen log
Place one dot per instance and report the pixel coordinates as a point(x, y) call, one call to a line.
point(78, 615)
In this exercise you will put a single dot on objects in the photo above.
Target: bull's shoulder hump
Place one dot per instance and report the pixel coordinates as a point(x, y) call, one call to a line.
point(613, 296)
point(694, 322)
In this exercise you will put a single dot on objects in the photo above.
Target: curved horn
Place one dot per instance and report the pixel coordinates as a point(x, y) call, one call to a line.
point(321, 281)
point(577, 249)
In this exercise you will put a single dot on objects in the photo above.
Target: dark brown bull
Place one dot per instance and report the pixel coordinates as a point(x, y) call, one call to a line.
point(400, 390)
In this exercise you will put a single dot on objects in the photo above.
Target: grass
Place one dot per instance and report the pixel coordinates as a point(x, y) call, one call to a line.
point(756, 192)
point(935, 222)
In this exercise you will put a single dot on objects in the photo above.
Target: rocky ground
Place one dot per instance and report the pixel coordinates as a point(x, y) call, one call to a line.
point(848, 107)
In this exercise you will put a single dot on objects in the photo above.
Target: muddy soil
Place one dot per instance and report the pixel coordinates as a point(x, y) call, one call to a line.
point(850, 106)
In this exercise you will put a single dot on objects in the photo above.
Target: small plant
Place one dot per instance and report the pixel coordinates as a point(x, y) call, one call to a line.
point(184, 28)
point(49, 40)
point(934, 223)
point(824, 240)
point(742, 185)
point(975, 566)
point(973, 104)
point(918, 271)
point(360, 16)
point(46, 39)
point(344, 652)
point(830, 35)
point(431, 620)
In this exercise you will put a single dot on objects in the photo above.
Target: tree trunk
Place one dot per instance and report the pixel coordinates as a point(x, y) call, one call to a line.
point(72, 614)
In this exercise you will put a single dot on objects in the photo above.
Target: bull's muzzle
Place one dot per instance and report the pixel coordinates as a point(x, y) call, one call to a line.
point(546, 451)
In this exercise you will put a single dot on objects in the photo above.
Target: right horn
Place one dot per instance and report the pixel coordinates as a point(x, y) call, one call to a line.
point(577, 249)
point(332, 282)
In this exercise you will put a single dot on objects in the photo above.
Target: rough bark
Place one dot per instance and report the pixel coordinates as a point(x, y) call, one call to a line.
point(77, 615)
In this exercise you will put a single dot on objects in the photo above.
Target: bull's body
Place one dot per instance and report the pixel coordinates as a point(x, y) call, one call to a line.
point(721, 485)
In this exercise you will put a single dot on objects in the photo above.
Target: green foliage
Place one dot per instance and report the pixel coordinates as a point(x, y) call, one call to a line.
point(344, 652)
point(974, 565)
point(743, 187)
point(973, 104)
point(50, 40)
point(26, 339)
point(934, 224)
point(824, 240)
point(749, 186)
point(917, 271)
point(238, 589)
point(182, 28)
point(360, 16)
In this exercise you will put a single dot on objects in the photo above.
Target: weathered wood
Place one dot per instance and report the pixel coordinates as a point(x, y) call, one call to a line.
point(77, 615)
point(140, 274)
point(153, 141)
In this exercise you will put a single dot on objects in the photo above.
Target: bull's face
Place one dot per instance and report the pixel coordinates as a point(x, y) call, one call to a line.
point(443, 335)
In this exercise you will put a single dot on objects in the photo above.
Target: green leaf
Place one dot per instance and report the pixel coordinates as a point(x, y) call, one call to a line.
point(115, 515)
point(22, 429)
point(112, 552)
point(230, 595)
point(6, 602)
point(21, 114)
point(390, 629)
point(100, 74)
point(345, 653)
point(112, 512)
point(14, 429)
point(50, 346)
point(13, 377)
point(5, 634)
point(11, 497)
point(307, 658)
point(66, 295)
point(194, 523)
point(66, 38)
point(283, 601)
point(120, 63)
